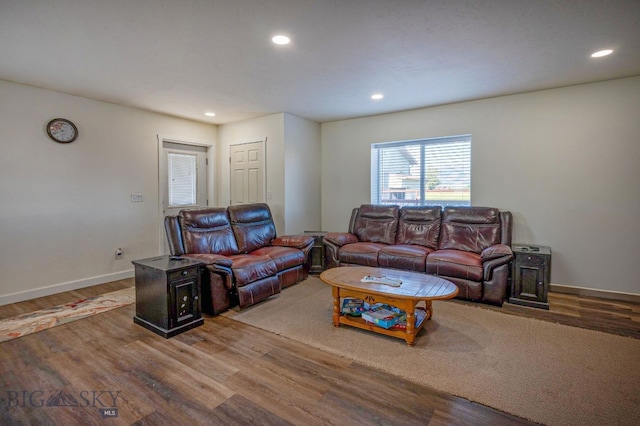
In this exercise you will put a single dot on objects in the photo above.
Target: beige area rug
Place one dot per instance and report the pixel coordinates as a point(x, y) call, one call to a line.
point(545, 372)
point(32, 322)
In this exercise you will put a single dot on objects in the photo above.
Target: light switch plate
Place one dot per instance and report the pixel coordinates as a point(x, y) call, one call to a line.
point(136, 197)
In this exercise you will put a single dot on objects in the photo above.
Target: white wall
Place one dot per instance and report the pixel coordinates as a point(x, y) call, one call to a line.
point(292, 162)
point(66, 208)
point(302, 175)
point(271, 128)
point(566, 162)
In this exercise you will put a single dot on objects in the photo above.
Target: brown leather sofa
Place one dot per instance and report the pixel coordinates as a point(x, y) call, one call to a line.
point(469, 246)
point(246, 262)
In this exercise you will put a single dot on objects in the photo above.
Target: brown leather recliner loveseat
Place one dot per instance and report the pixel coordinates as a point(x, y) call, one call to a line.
point(469, 246)
point(245, 261)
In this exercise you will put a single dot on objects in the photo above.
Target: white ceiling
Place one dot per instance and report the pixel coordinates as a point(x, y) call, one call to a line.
point(185, 57)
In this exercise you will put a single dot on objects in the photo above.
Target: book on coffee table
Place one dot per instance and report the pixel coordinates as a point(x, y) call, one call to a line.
point(354, 307)
point(383, 315)
point(420, 315)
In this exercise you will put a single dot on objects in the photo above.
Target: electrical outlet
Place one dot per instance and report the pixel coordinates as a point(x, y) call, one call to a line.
point(118, 253)
point(136, 197)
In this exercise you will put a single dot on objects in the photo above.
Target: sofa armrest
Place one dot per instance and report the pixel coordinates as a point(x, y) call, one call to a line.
point(301, 242)
point(494, 256)
point(220, 266)
point(496, 252)
point(294, 241)
point(340, 238)
point(332, 243)
point(211, 259)
point(174, 235)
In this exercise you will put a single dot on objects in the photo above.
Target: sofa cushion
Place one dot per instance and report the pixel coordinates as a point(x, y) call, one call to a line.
point(376, 224)
point(252, 226)
point(455, 263)
point(471, 229)
point(419, 225)
point(404, 256)
point(248, 268)
point(364, 253)
point(284, 257)
point(207, 231)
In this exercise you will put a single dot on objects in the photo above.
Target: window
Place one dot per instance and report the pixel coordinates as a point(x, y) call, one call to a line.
point(422, 172)
point(182, 179)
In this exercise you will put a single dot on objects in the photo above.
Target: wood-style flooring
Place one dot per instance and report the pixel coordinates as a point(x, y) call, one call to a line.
point(609, 316)
point(228, 373)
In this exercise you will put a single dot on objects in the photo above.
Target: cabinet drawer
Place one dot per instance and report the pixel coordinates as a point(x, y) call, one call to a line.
point(530, 259)
point(183, 274)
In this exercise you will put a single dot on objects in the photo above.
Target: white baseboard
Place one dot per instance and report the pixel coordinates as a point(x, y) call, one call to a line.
point(590, 292)
point(59, 288)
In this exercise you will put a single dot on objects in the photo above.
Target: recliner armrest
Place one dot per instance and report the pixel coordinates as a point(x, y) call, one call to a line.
point(174, 235)
point(494, 256)
point(211, 259)
point(301, 242)
point(295, 241)
point(496, 251)
point(340, 238)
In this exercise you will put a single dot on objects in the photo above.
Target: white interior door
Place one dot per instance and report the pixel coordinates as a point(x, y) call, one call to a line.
point(247, 173)
point(183, 181)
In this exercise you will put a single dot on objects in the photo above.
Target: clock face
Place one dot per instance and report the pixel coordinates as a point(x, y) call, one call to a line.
point(62, 130)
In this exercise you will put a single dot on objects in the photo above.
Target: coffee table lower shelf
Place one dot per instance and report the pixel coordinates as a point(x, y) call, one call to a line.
point(407, 305)
point(393, 332)
point(346, 281)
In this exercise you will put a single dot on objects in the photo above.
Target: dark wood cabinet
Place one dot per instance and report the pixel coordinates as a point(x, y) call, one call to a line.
point(168, 294)
point(316, 255)
point(530, 275)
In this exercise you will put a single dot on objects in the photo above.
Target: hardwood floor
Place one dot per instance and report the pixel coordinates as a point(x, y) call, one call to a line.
point(228, 373)
point(609, 316)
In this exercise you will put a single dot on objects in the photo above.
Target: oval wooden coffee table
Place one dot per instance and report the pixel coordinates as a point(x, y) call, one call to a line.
point(415, 287)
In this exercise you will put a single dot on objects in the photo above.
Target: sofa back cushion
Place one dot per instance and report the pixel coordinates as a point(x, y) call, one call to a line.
point(376, 224)
point(207, 231)
point(419, 225)
point(469, 228)
point(252, 226)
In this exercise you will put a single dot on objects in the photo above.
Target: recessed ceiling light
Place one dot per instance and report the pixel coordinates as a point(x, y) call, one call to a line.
point(281, 39)
point(601, 53)
point(377, 96)
point(210, 114)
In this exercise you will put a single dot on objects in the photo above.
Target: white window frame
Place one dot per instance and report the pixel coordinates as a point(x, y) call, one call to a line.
point(456, 175)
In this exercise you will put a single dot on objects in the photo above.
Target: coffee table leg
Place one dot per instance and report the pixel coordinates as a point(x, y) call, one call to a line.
point(410, 335)
point(429, 309)
point(336, 306)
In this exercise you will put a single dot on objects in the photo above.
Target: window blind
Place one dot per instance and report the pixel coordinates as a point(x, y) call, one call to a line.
point(182, 179)
point(422, 172)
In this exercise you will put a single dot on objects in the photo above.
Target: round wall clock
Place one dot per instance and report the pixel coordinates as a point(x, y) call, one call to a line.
point(62, 130)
